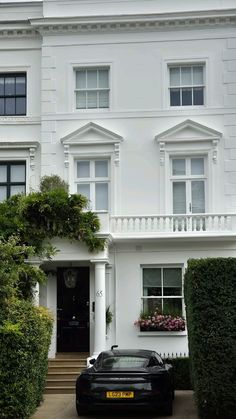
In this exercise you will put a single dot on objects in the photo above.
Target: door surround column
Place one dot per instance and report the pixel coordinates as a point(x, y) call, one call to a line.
point(100, 307)
point(36, 264)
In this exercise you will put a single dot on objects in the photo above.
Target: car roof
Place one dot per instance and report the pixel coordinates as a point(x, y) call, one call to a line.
point(129, 352)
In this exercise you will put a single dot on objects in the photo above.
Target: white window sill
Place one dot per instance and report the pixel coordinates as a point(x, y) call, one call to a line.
point(164, 334)
point(91, 110)
point(185, 107)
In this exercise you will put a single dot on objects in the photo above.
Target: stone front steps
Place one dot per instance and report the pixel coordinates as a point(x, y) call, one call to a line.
point(63, 371)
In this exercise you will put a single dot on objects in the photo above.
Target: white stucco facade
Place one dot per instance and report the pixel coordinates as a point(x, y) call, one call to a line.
point(139, 133)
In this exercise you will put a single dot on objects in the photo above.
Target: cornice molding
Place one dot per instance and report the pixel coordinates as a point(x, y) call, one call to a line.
point(19, 144)
point(121, 23)
point(17, 31)
point(170, 21)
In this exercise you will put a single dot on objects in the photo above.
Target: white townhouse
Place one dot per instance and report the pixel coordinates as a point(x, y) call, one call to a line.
point(133, 103)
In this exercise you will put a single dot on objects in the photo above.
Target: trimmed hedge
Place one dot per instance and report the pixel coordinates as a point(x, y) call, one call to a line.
point(24, 342)
point(210, 297)
point(182, 379)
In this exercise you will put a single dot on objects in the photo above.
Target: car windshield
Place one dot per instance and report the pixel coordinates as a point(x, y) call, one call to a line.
point(124, 362)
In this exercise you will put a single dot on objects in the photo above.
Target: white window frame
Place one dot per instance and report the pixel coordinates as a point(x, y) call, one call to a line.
point(92, 181)
point(184, 61)
point(92, 141)
point(97, 89)
point(164, 266)
point(28, 73)
point(188, 178)
point(22, 151)
point(9, 183)
point(189, 86)
point(199, 141)
point(169, 178)
point(77, 65)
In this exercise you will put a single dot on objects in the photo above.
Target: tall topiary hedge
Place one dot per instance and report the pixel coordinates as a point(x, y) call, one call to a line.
point(24, 342)
point(210, 296)
point(181, 369)
point(25, 332)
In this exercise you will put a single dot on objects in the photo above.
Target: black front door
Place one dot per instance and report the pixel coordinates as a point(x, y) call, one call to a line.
point(73, 309)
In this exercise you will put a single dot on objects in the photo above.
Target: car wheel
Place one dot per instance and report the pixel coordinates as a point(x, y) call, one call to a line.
point(173, 394)
point(168, 408)
point(81, 410)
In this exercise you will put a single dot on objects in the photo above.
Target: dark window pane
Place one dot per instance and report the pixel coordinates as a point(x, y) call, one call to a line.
point(174, 97)
point(172, 281)
point(12, 178)
point(151, 281)
point(198, 96)
point(172, 306)
point(20, 85)
point(1, 106)
point(1, 86)
point(10, 86)
point(10, 106)
point(150, 305)
point(186, 97)
point(20, 106)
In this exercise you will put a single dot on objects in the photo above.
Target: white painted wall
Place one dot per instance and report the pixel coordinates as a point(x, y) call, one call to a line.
point(129, 259)
point(139, 106)
point(139, 111)
point(118, 7)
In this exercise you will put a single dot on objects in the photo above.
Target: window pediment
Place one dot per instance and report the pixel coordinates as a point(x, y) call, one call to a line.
point(91, 133)
point(188, 131)
point(93, 139)
point(188, 136)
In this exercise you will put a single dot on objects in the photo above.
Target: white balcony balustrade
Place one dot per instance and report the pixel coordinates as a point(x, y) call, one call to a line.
point(173, 225)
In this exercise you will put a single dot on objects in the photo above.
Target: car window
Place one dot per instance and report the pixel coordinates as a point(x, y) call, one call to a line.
point(123, 362)
point(153, 362)
point(159, 360)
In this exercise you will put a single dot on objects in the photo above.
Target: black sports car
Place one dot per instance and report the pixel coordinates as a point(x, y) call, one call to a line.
point(126, 379)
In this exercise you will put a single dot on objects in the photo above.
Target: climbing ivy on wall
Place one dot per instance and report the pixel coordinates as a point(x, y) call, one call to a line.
point(52, 212)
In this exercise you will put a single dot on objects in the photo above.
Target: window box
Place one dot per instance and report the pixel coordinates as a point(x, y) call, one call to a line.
point(161, 323)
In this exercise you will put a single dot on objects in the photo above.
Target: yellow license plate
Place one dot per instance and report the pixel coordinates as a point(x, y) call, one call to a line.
point(119, 394)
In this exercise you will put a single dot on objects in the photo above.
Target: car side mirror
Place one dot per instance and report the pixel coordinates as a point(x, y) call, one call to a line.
point(92, 361)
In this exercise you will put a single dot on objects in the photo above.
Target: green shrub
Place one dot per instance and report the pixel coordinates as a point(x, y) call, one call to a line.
point(50, 183)
point(24, 342)
point(182, 379)
point(210, 296)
